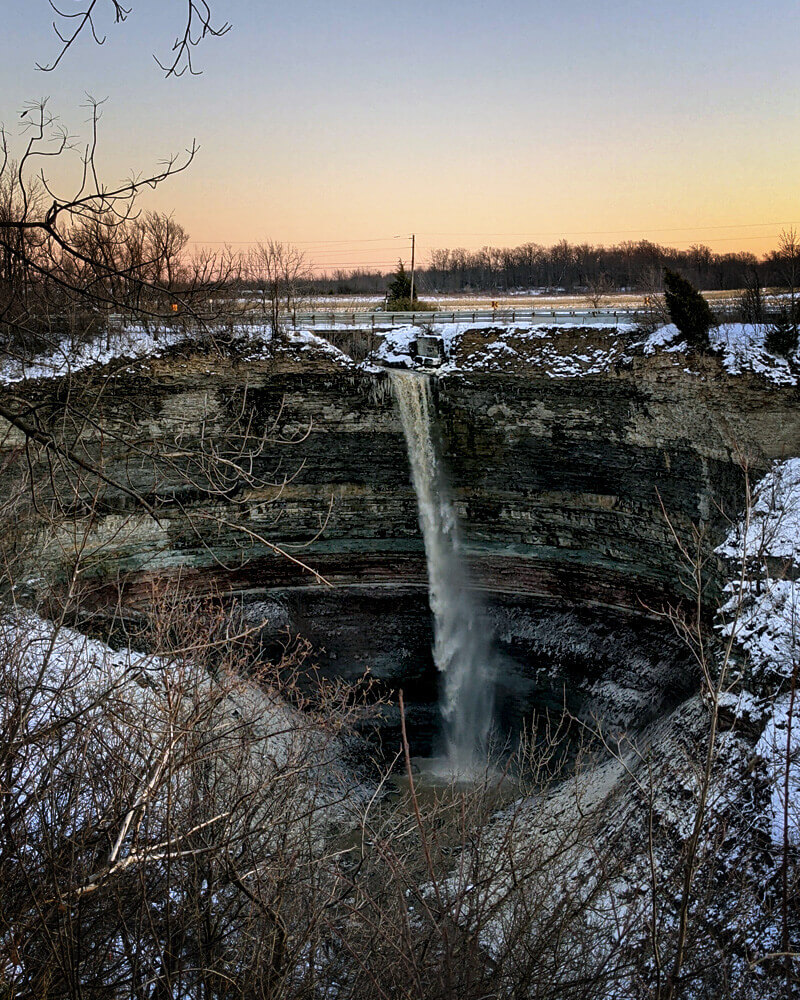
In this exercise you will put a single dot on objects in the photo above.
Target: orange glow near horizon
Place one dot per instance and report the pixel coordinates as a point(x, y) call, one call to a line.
point(329, 126)
point(542, 196)
point(382, 253)
point(724, 182)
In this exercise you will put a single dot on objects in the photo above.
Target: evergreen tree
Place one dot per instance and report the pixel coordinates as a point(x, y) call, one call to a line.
point(399, 289)
point(687, 309)
point(782, 335)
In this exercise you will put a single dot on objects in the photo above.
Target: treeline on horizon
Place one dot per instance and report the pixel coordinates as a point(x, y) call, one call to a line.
point(67, 283)
point(569, 267)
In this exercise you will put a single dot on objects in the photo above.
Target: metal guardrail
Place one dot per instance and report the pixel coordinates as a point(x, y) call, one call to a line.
point(384, 320)
point(379, 321)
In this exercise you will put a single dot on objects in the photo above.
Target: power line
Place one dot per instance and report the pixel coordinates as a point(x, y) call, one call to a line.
point(352, 247)
point(332, 265)
point(622, 232)
point(251, 243)
point(349, 253)
point(728, 239)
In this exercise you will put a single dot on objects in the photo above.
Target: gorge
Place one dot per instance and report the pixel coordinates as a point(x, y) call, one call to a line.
point(267, 528)
point(572, 485)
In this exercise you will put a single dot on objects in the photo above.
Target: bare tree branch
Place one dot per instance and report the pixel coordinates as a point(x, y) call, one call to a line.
point(199, 24)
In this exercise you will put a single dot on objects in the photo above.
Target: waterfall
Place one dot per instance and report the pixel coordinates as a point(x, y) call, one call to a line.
point(462, 649)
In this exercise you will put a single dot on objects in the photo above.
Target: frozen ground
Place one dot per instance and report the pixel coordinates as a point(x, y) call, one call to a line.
point(135, 343)
point(742, 348)
point(568, 351)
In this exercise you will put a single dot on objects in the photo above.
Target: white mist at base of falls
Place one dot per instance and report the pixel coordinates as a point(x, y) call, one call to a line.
point(462, 650)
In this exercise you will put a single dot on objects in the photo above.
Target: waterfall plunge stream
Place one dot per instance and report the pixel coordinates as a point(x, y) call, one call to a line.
point(462, 650)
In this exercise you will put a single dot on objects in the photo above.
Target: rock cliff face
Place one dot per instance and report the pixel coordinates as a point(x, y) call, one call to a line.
point(561, 484)
point(568, 489)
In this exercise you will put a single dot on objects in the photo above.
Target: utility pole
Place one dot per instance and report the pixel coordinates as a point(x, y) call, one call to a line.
point(413, 243)
point(413, 248)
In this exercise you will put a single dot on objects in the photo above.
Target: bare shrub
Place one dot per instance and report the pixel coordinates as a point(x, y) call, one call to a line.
point(164, 816)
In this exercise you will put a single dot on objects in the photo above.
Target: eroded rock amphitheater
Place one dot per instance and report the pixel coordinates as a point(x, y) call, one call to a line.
point(596, 477)
point(573, 492)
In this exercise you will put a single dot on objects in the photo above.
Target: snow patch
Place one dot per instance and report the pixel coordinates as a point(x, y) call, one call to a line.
point(135, 343)
point(779, 748)
point(742, 346)
point(762, 613)
point(396, 346)
point(505, 347)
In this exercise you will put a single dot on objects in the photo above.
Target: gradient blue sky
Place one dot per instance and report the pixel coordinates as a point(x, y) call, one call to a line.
point(467, 122)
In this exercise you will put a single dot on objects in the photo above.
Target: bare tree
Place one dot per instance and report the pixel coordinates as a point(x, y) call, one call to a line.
point(162, 816)
point(599, 288)
point(69, 260)
point(752, 301)
point(79, 233)
point(281, 275)
point(787, 260)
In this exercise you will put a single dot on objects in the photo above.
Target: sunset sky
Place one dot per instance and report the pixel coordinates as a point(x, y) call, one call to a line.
point(340, 126)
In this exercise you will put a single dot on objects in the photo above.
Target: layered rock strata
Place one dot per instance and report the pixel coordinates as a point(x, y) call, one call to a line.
point(571, 490)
